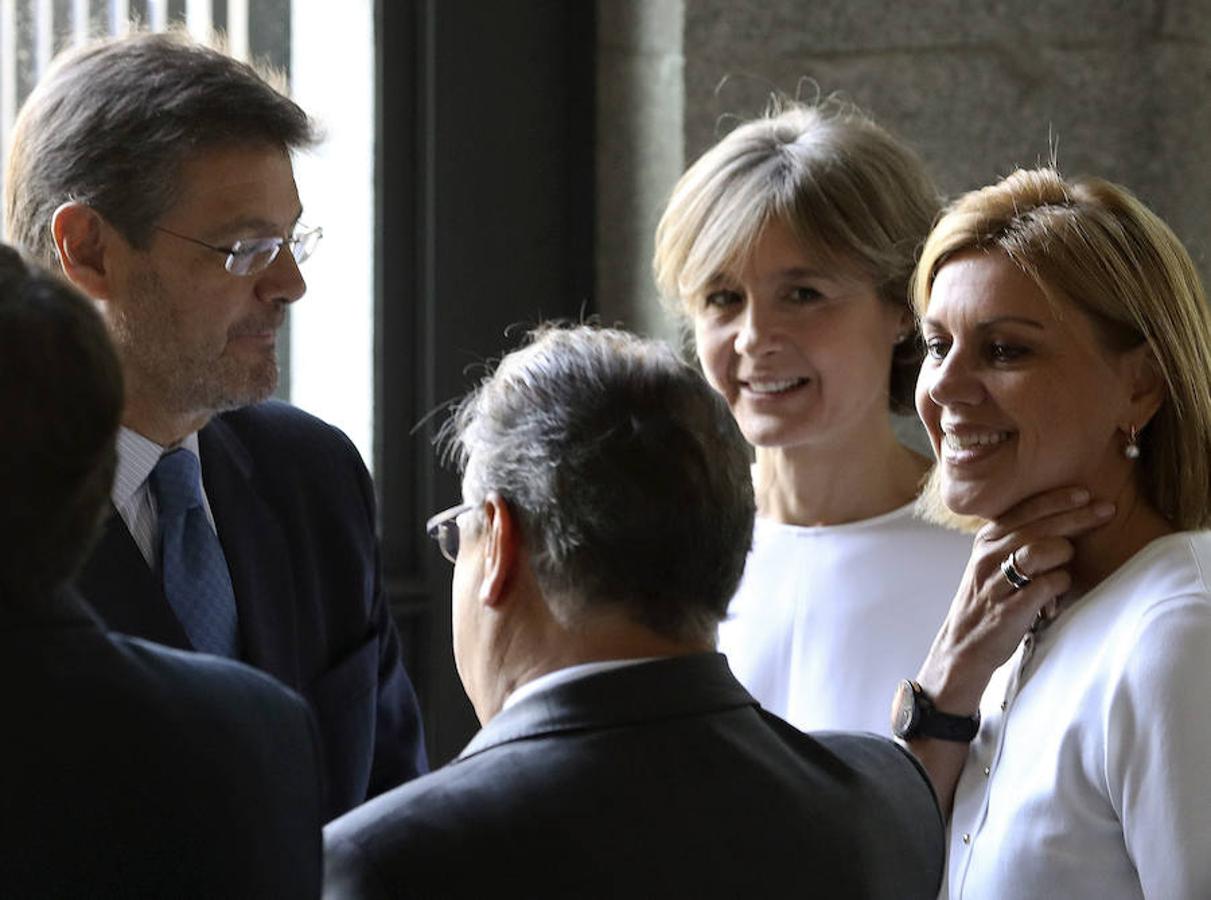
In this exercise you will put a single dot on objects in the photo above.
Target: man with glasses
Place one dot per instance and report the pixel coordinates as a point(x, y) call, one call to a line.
point(607, 514)
point(156, 174)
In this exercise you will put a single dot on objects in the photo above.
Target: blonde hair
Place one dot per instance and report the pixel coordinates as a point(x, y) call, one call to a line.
point(1092, 244)
point(842, 185)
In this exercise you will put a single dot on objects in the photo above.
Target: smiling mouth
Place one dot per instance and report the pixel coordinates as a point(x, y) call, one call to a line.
point(773, 387)
point(974, 440)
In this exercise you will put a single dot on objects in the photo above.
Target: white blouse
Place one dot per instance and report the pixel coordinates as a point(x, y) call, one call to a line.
point(827, 620)
point(1091, 774)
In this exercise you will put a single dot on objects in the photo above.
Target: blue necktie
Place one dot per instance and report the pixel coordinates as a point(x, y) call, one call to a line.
point(196, 581)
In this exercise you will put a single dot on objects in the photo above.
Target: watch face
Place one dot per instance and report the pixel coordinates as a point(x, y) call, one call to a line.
point(903, 711)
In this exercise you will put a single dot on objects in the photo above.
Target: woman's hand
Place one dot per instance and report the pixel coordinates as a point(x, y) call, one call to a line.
point(989, 615)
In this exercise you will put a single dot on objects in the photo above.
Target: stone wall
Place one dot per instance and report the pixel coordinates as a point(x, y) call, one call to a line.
point(1117, 89)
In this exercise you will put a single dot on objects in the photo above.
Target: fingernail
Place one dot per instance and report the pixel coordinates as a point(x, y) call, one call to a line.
point(1103, 509)
point(1080, 495)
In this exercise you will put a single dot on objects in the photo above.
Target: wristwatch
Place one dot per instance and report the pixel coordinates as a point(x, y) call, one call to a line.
point(914, 715)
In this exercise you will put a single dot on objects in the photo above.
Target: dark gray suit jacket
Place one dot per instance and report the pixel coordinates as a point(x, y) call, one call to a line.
point(294, 509)
point(663, 779)
point(132, 770)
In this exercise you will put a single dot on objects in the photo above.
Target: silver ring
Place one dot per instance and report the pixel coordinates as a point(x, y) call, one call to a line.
point(1009, 568)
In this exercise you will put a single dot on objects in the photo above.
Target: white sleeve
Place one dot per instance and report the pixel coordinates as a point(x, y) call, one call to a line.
point(1158, 749)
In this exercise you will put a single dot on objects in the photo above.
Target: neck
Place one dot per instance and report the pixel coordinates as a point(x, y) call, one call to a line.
point(831, 485)
point(598, 638)
point(1099, 553)
point(151, 420)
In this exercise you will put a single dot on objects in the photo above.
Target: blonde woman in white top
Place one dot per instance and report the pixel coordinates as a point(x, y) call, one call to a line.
point(1067, 393)
point(788, 247)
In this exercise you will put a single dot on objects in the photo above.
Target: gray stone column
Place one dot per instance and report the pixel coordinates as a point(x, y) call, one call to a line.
point(640, 152)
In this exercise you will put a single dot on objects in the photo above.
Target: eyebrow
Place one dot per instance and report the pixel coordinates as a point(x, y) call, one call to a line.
point(255, 223)
point(992, 323)
point(803, 272)
point(793, 273)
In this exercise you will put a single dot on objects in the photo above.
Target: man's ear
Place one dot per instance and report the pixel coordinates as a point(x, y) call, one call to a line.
point(501, 548)
point(82, 239)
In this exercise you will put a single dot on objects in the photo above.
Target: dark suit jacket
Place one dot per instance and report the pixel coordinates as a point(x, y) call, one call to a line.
point(663, 779)
point(132, 770)
point(294, 509)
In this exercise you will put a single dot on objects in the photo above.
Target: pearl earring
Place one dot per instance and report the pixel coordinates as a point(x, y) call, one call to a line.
point(1132, 450)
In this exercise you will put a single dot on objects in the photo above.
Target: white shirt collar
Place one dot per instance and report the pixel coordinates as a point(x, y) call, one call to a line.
point(563, 676)
point(137, 456)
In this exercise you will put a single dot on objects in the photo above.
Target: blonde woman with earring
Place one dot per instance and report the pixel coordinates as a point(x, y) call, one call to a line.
point(1067, 394)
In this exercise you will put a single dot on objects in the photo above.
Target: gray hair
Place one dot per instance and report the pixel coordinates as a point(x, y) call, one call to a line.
point(111, 123)
point(626, 471)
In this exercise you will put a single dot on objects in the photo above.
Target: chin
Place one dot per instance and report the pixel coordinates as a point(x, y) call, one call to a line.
point(255, 387)
point(774, 436)
point(963, 500)
point(987, 501)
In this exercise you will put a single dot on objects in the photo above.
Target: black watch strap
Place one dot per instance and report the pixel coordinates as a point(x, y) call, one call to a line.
point(925, 720)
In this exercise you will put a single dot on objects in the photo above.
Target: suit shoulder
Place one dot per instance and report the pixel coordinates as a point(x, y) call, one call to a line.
point(287, 446)
point(221, 686)
point(873, 755)
point(127, 734)
point(281, 425)
point(411, 834)
point(238, 724)
point(421, 803)
point(888, 769)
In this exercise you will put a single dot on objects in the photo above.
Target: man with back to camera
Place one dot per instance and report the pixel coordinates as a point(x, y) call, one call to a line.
point(126, 769)
point(607, 518)
point(157, 174)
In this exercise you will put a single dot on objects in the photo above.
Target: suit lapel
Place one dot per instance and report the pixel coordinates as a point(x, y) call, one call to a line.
point(118, 584)
point(256, 550)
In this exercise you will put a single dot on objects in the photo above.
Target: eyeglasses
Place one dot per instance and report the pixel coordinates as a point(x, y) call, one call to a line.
point(443, 528)
point(253, 255)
